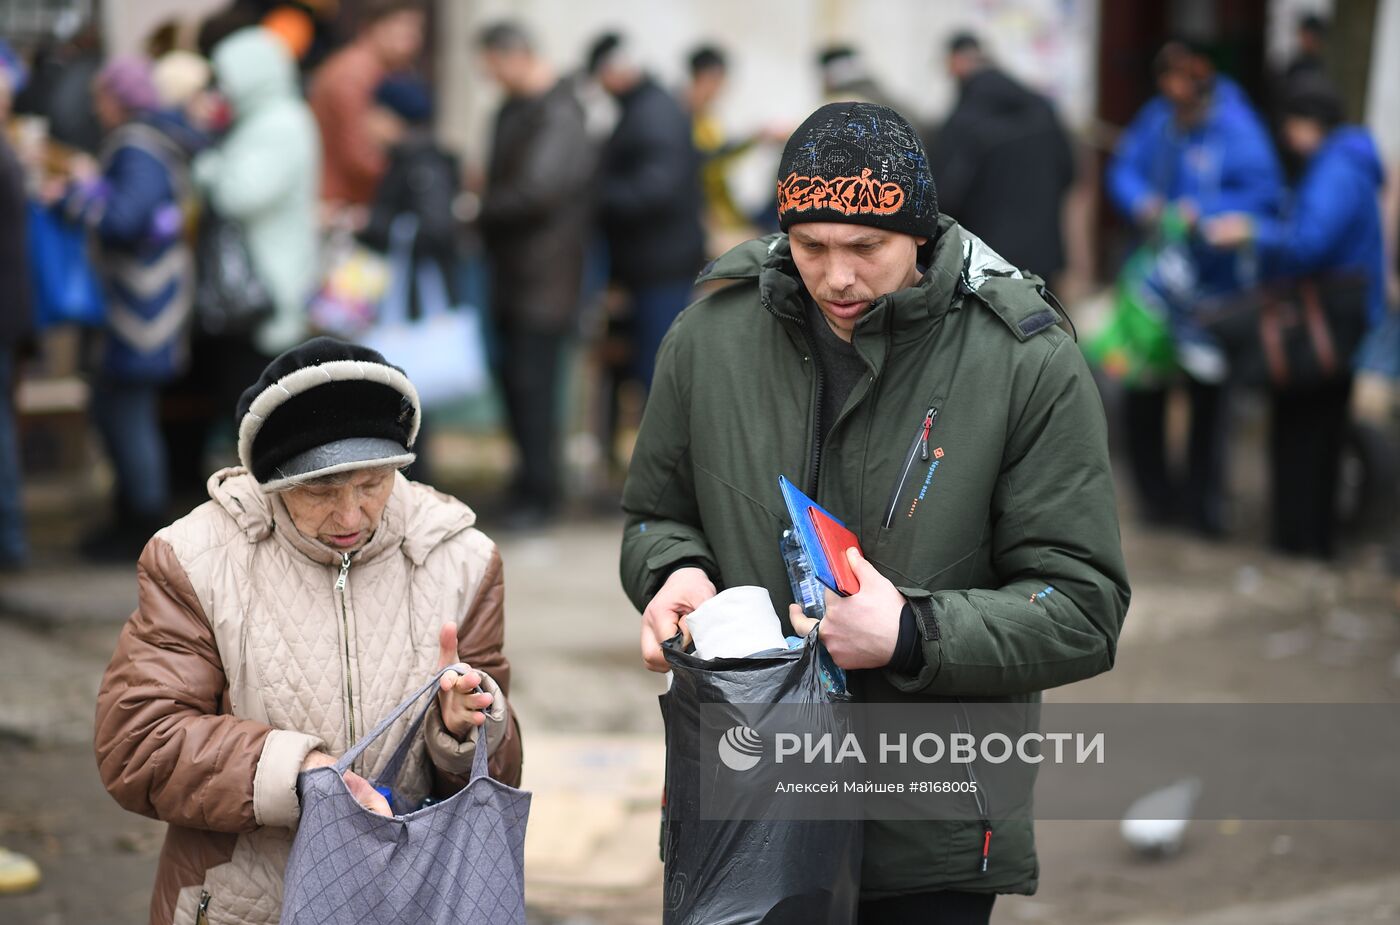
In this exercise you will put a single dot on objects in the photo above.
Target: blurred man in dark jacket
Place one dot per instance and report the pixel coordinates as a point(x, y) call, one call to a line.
point(846, 76)
point(16, 320)
point(1003, 162)
point(535, 216)
point(649, 197)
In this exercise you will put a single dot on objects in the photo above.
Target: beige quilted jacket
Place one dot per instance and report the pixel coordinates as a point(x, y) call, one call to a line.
point(252, 645)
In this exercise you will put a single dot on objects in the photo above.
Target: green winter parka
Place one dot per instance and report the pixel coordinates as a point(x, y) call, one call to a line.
point(1012, 494)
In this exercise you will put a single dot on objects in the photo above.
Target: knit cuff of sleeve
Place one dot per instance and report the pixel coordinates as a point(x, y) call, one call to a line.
point(908, 655)
point(275, 801)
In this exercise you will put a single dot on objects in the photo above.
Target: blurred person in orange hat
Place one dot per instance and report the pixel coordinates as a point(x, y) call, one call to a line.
point(294, 27)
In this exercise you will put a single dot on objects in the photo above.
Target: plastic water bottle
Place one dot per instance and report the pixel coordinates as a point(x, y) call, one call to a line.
point(806, 589)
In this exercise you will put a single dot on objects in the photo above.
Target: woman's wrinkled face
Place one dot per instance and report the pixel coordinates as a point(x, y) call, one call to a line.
point(342, 512)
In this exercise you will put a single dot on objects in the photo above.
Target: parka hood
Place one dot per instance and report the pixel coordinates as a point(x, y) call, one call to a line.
point(254, 68)
point(417, 518)
point(1355, 144)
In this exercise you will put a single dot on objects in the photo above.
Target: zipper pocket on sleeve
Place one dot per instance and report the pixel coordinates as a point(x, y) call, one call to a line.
point(917, 450)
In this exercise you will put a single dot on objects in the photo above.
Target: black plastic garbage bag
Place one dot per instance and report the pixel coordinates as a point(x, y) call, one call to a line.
point(748, 871)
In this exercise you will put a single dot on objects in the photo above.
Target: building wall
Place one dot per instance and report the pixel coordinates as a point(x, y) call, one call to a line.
point(1383, 92)
point(126, 23)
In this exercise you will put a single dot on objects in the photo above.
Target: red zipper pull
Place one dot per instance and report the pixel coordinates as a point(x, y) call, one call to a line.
point(986, 845)
point(928, 426)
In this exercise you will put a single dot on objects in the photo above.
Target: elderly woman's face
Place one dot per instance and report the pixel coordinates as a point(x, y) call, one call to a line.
point(344, 514)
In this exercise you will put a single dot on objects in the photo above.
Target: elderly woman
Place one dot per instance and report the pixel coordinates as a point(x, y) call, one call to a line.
point(283, 618)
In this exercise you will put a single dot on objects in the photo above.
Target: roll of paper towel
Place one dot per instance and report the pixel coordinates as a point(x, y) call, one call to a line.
point(735, 623)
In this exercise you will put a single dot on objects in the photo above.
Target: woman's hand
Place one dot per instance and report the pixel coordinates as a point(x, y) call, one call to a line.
point(462, 705)
point(51, 190)
point(366, 795)
point(361, 789)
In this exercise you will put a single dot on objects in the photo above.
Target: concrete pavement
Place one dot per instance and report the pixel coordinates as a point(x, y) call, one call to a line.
point(1217, 622)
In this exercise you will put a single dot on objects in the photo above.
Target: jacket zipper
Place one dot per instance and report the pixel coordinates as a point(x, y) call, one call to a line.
point(814, 462)
point(918, 448)
point(340, 584)
point(201, 914)
point(978, 796)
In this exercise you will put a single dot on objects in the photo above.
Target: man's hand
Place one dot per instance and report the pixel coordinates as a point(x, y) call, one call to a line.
point(1230, 230)
point(685, 590)
point(361, 789)
point(1189, 211)
point(461, 704)
point(1148, 212)
point(859, 631)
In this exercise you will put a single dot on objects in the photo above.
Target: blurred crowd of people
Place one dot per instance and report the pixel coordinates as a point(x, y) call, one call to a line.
point(1265, 283)
point(254, 134)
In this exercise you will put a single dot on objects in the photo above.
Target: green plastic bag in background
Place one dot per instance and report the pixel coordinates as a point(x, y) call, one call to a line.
point(1134, 347)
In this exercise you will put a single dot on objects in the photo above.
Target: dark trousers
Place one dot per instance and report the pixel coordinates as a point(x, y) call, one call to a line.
point(654, 308)
point(127, 415)
point(1198, 498)
point(1307, 429)
point(14, 547)
point(945, 907)
point(202, 401)
point(530, 367)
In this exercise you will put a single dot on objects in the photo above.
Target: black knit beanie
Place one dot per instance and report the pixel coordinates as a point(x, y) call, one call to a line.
point(326, 407)
point(857, 163)
point(1314, 97)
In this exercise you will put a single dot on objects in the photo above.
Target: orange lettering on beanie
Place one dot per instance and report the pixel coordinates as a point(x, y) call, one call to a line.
point(862, 195)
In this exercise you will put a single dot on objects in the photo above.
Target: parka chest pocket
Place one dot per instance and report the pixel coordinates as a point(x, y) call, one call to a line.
point(918, 452)
point(932, 513)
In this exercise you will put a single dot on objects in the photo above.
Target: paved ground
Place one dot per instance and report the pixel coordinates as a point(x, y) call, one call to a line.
point(1208, 623)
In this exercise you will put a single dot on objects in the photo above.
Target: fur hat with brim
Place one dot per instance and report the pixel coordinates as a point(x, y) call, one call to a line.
point(323, 408)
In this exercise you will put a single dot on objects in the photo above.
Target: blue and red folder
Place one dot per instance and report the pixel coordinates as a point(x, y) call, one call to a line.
point(823, 538)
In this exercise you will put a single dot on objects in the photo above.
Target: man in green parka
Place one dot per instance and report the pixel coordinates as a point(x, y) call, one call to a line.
point(919, 388)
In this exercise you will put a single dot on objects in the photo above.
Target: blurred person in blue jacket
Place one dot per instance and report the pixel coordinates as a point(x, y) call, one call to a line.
point(1330, 229)
point(131, 200)
point(1200, 148)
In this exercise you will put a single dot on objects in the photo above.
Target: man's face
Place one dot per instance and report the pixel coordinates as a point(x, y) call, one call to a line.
point(506, 68)
point(962, 64)
point(617, 78)
point(1182, 78)
point(846, 267)
point(1303, 135)
point(341, 514)
point(1177, 87)
point(398, 38)
point(705, 88)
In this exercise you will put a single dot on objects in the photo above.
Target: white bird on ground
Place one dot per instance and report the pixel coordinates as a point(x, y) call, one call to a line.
point(1156, 823)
